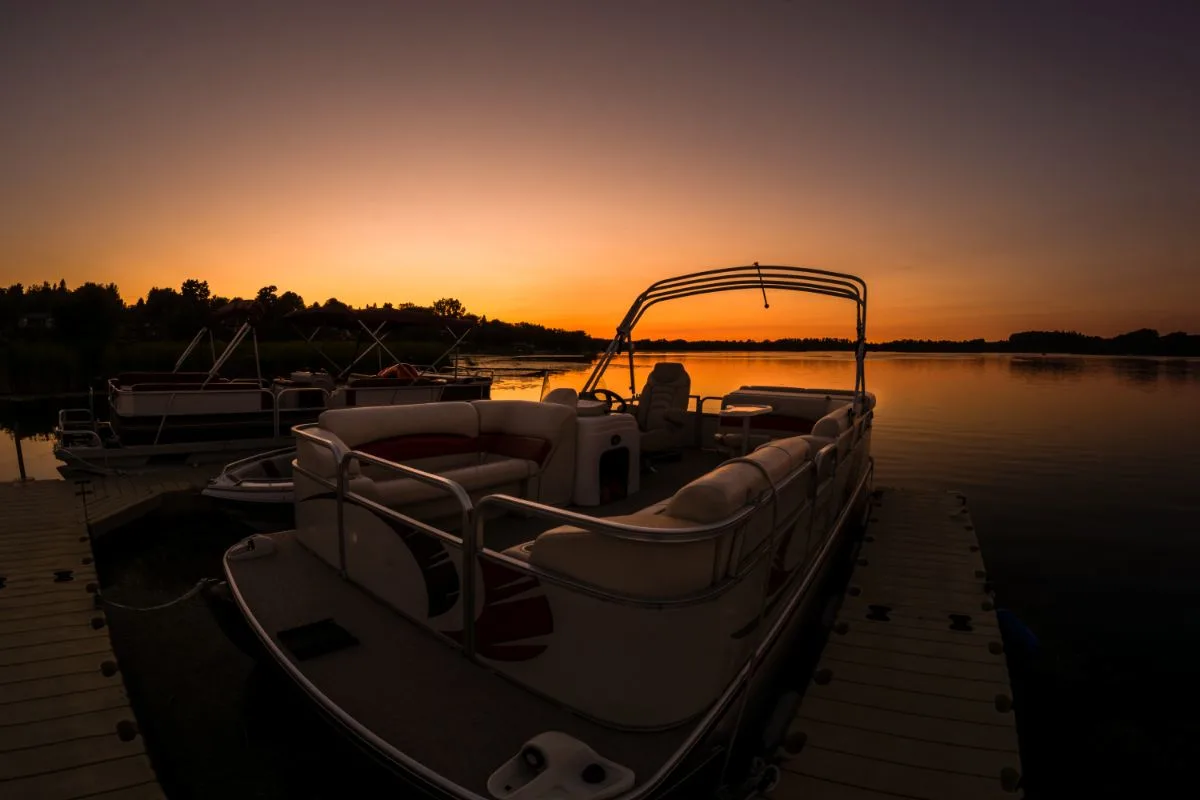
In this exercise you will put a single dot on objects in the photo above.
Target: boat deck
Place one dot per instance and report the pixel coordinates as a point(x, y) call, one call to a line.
point(66, 728)
point(911, 696)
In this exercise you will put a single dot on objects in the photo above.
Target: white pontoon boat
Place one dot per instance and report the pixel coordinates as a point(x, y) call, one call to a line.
point(162, 418)
point(504, 599)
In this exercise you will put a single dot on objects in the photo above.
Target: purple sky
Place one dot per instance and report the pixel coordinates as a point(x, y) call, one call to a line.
point(987, 167)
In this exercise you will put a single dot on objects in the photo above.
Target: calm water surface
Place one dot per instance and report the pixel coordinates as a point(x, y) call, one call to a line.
point(1081, 474)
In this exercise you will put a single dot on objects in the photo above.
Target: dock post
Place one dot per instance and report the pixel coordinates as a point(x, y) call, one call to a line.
point(16, 434)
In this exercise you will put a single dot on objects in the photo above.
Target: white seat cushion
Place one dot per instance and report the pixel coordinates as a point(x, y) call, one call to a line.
point(796, 448)
point(719, 494)
point(399, 491)
point(356, 426)
point(833, 424)
point(640, 569)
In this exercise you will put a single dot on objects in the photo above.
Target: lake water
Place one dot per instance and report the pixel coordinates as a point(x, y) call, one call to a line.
point(1081, 475)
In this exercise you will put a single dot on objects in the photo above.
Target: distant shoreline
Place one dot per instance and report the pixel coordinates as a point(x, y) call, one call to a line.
point(1144, 342)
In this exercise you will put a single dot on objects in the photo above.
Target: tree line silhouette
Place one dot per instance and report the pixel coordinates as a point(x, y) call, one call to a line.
point(1142, 342)
point(92, 316)
point(95, 315)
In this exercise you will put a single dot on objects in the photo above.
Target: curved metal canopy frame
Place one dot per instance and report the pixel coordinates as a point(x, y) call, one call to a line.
point(729, 279)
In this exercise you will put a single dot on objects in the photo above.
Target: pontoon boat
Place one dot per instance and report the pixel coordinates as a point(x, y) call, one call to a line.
point(158, 418)
point(585, 597)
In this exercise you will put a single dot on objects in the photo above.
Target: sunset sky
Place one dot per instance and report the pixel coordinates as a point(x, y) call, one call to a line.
point(986, 167)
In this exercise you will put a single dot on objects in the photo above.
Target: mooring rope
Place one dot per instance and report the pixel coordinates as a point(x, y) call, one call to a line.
point(190, 593)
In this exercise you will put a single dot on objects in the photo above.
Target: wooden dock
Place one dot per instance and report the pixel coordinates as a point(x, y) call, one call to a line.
point(66, 728)
point(911, 696)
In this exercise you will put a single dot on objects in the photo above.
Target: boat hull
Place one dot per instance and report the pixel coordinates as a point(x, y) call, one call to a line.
point(802, 622)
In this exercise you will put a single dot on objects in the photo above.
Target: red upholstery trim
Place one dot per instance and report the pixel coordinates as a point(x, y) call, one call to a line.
point(502, 444)
point(420, 445)
point(772, 422)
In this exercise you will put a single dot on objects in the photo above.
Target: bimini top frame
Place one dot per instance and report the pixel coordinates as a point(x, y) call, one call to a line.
point(752, 278)
point(375, 322)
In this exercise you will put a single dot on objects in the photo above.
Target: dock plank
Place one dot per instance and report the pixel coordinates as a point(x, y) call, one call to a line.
point(66, 728)
point(49, 687)
point(911, 696)
point(85, 781)
point(904, 779)
point(64, 705)
point(31, 761)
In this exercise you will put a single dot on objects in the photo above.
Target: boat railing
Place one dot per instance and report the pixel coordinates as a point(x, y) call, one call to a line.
point(721, 567)
point(256, 388)
point(466, 510)
point(344, 458)
point(472, 540)
point(750, 668)
point(78, 423)
point(275, 397)
point(700, 401)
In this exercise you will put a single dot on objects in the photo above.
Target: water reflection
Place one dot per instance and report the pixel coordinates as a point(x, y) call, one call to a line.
point(1048, 366)
point(1132, 370)
point(1081, 483)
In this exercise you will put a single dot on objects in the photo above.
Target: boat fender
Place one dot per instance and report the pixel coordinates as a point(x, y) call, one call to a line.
point(257, 546)
point(554, 764)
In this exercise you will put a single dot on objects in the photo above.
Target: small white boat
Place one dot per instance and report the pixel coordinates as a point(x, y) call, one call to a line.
point(577, 598)
point(161, 418)
point(258, 490)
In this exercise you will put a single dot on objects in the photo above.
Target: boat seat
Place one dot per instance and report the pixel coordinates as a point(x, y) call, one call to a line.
point(824, 416)
point(792, 414)
point(492, 476)
point(662, 406)
point(639, 569)
point(474, 441)
point(666, 567)
point(564, 396)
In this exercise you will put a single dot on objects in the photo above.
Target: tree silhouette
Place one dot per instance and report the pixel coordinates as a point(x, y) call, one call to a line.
point(449, 307)
point(195, 292)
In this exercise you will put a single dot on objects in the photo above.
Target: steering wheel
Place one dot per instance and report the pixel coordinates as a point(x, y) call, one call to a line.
point(616, 403)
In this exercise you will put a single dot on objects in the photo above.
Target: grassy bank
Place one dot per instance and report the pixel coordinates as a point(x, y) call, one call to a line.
point(51, 367)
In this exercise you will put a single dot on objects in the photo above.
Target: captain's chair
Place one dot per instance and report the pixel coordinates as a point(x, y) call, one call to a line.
point(661, 407)
point(563, 396)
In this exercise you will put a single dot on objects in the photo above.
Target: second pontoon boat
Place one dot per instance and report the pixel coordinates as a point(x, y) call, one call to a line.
point(161, 418)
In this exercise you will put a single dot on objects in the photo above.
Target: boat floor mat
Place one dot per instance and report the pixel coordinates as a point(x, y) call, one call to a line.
point(316, 639)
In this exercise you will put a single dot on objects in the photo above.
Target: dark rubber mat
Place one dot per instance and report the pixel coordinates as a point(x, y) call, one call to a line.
point(316, 639)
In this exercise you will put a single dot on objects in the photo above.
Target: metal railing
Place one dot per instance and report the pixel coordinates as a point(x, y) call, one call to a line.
point(472, 520)
point(344, 458)
point(748, 670)
point(472, 540)
point(172, 395)
point(753, 277)
point(75, 423)
point(624, 531)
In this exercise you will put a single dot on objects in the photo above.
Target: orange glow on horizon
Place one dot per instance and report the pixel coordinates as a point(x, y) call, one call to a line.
point(547, 164)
